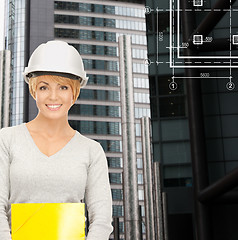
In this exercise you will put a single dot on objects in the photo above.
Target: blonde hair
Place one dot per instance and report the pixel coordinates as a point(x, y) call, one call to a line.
point(74, 84)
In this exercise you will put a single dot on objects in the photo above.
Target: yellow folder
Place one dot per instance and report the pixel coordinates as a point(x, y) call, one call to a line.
point(48, 221)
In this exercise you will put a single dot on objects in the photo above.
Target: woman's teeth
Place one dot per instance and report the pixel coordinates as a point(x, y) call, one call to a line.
point(53, 106)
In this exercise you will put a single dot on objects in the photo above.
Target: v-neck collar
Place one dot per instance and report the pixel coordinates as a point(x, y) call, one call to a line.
point(38, 150)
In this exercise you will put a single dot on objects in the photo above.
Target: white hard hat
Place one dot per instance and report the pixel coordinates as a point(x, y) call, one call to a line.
point(56, 58)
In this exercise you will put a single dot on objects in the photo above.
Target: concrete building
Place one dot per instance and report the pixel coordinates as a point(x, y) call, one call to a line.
point(93, 28)
point(5, 87)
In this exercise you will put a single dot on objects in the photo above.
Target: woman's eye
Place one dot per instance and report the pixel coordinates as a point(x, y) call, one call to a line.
point(64, 87)
point(42, 88)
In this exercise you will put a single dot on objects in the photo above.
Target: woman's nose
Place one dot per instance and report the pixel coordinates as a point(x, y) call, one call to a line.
point(53, 94)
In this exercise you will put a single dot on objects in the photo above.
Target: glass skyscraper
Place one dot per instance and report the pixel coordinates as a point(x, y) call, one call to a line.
point(195, 145)
point(15, 42)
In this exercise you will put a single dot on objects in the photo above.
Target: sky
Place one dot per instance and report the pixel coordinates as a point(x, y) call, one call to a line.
point(1, 23)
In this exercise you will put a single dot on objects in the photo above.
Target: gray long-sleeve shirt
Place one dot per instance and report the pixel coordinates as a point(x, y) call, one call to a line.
point(76, 171)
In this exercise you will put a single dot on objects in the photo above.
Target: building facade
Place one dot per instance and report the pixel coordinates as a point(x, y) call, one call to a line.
point(15, 42)
point(93, 28)
point(194, 127)
point(5, 89)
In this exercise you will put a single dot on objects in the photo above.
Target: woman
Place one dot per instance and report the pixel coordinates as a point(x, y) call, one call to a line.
point(45, 160)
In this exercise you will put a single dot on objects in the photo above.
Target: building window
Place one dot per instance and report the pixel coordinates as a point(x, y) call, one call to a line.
point(178, 175)
point(99, 8)
point(140, 178)
point(101, 95)
point(172, 106)
point(151, 22)
point(132, 12)
point(66, 6)
point(139, 163)
point(114, 162)
point(93, 127)
point(103, 80)
point(163, 21)
point(138, 129)
point(101, 65)
point(117, 211)
point(138, 39)
point(142, 97)
point(142, 112)
point(86, 21)
point(117, 194)
point(141, 83)
point(95, 49)
point(85, 34)
point(115, 178)
point(138, 147)
point(141, 194)
point(140, 68)
point(95, 110)
point(111, 145)
point(171, 103)
point(139, 53)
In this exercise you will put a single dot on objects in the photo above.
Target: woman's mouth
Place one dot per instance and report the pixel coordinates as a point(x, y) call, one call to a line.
point(53, 107)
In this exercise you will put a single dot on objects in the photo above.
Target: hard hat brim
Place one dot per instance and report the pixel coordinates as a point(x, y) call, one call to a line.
point(83, 81)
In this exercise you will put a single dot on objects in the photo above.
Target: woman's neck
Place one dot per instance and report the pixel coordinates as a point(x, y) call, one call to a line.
point(51, 127)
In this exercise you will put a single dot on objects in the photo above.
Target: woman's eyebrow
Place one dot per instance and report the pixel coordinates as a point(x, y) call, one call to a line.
point(43, 82)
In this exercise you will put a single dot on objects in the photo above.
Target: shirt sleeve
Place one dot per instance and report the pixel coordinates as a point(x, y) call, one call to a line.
point(4, 185)
point(98, 196)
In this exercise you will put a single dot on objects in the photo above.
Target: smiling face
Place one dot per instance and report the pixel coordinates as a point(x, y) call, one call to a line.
point(53, 99)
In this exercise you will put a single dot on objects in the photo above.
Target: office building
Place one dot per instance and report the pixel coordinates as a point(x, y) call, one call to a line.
point(194, 127)
point(15, 41)
point(5, 87)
